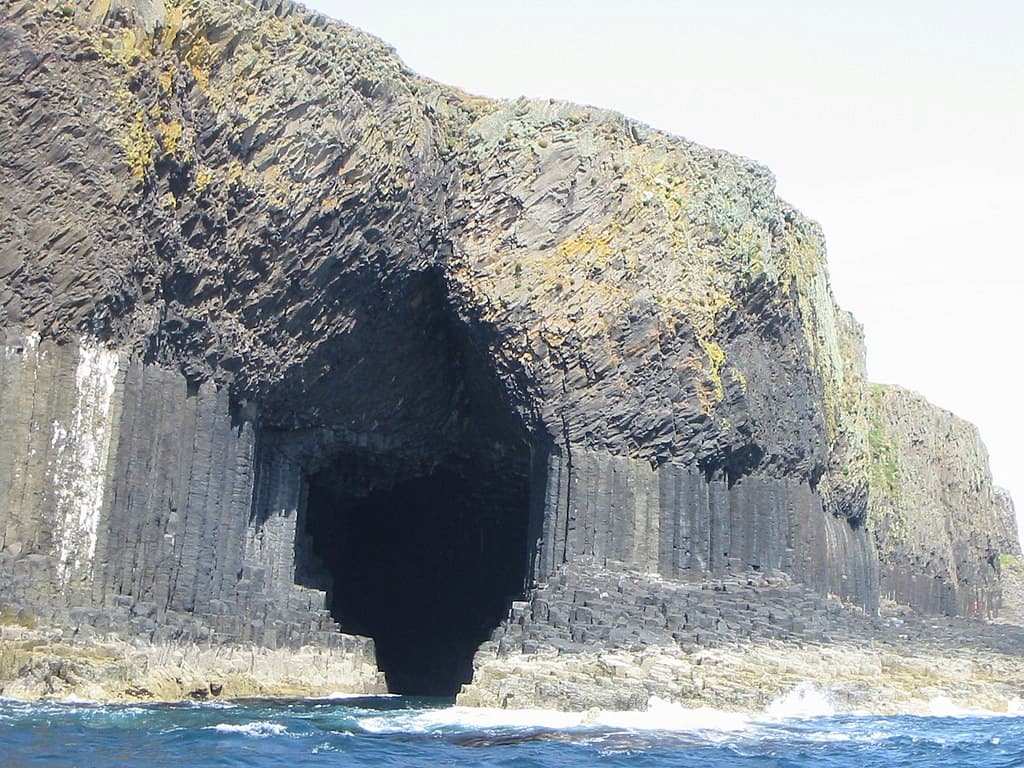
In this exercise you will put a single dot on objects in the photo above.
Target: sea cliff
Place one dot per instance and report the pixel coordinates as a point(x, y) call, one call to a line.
point(305, 351)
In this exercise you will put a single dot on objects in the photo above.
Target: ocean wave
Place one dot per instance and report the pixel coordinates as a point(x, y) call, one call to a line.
point(803, 704)
point(78, 700)
point(805, 701)
point(660, 715)
point(208, 704)
point(259, 729)
point(401, 733)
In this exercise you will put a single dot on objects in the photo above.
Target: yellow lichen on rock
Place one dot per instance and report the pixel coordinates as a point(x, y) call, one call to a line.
point(170, 136)
point(203, 180)
point(138, 145)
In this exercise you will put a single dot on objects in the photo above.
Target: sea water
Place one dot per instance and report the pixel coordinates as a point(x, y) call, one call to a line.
point(401, 731)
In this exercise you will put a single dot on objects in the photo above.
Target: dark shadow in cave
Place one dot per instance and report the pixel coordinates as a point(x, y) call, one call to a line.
point(425, 565)
point(422, 544)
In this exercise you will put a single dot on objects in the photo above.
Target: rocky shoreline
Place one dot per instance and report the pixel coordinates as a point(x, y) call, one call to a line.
point(39, 665)
point(590, 638)
point(613, 639)
point(877, 676)
point(870, 678)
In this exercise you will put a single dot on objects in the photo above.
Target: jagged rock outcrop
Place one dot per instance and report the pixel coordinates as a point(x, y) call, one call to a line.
point(1006, 521)
point(940, 525)
point(289, 329)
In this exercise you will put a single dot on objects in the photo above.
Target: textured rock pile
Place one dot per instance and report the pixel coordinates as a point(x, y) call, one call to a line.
point(594, 638)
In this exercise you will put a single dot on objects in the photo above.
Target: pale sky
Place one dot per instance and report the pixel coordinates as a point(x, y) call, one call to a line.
point(897, 125)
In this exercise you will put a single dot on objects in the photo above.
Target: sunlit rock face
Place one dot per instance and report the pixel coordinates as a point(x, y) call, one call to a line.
point(939, 523)
point(298, 340)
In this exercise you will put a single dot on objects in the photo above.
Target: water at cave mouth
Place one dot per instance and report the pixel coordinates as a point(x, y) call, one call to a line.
point(404, 731)
point(426, 565)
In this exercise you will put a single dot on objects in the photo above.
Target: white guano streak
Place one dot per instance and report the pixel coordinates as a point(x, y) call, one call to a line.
point(81, 448)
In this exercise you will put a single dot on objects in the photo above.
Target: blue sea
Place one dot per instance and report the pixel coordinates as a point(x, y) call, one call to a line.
point(402, 731)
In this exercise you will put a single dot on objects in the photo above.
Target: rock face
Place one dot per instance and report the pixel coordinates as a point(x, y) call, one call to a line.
point(733, 642)
point(939, 523)
point(297, 340)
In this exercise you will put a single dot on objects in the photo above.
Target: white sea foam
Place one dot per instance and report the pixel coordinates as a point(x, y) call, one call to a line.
point(342, 695)
point(804, 701)
point(875, 736)
point(467, 718)
point(807, 701)
point(127, 712)
point(259, 729)
point(327, 747)
point(943, 706)
point(660, 715)
point(212, 704)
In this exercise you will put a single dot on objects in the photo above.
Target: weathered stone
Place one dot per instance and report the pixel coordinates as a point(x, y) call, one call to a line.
point(939, 523)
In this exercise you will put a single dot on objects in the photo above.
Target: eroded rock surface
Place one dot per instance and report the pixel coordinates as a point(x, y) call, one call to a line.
point(940, 525)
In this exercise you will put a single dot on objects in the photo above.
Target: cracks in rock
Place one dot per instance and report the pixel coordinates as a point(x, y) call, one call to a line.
point(568, 488)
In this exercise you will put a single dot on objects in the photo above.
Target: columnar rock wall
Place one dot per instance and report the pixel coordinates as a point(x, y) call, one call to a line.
point(939, 523)
point(59, 415)
point(124, 487)
point(141, 485)
point(674, 521)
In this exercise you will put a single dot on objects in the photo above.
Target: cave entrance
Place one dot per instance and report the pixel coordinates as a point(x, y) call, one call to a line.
point(426, 560)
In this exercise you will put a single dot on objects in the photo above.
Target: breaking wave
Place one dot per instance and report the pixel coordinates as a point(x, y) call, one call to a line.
point(800, 729)
point(261, 728)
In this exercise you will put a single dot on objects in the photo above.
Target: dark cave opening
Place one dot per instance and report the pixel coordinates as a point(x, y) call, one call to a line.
point(426, 562)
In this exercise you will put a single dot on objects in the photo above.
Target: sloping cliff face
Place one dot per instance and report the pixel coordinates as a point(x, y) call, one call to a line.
point(289, 328)
point(939, 523)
